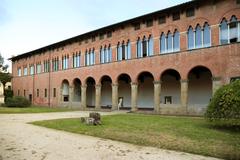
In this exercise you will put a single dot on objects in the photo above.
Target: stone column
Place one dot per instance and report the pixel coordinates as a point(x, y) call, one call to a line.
point(216, 84)
point(84, 97)
point(98, 97)
point(115, 96)
point(184, 95)
point(134, 95)
point(60, 97)
point(157, 92)
point(71, 97)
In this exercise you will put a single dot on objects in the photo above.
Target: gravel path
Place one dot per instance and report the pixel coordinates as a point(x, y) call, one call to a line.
point(22, 141)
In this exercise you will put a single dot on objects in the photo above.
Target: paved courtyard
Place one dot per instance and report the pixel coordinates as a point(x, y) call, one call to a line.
point(22, 141)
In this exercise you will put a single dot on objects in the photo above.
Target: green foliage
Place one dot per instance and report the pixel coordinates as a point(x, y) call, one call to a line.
point(224, 108)
point(8, 93)
point(2, 66)
point(17, 101)
point(5, 77)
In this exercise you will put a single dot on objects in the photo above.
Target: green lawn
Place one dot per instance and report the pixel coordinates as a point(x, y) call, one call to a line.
point(33, 109)
point(193, 135)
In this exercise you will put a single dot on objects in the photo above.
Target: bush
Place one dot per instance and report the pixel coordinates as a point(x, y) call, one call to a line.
point(225, 105)
point(8, 93)
point(17, 101)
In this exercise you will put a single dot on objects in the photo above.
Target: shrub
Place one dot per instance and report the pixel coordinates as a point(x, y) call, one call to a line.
point(8, 93)
point(225, 105)
point(17, 101)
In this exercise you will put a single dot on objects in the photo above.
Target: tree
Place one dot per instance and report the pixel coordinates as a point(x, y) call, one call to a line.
point(4, 75)
point(3, 68)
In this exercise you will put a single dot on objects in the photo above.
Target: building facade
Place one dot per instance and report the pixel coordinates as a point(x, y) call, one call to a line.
point(168, 62)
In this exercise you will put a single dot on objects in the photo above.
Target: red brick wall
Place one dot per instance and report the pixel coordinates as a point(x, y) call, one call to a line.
point(223, 61)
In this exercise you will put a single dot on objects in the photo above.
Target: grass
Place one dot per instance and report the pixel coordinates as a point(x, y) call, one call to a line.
point(187, 134)
point(32, 109)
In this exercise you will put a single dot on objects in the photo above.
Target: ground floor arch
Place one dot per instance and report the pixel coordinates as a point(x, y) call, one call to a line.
point(199, 86)
point(65, 91)
point(170, 88)
point(124, 91)
point(145, 97)
point(76, 90)
point(106, 92)
point(90, 92)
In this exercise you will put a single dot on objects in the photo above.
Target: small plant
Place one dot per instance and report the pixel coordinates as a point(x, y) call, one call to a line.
point(224, 108)
point(17, 101)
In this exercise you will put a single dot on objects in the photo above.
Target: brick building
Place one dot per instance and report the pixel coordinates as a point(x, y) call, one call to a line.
point(170, 62)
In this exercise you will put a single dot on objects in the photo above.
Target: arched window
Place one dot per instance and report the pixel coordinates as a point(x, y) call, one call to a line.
point(105, 54)
point(93, 57)
point(190, 35)
point(198, 37)
point(128, 56)
point(101, 55)
point(150, 46)
point(87, 59)
point(123, 50)
point(176, 41)
point(139, 48)
point(169, 42)
point(224, 32)
point(162, 43)
point(233, 30)
point(206, 35)
point(119, 52)
point(109, 53)
point(144, 47)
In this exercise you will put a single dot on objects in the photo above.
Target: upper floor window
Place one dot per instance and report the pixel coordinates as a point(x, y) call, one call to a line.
point(55, 64)
point(137, 26)
point(176, 16)
point(32, 70)
point(162, 20)
point(25, 71)
point(46, 66)
point(39, 68)
point(65, 62)
point(229, 32)
point(145, 47)
point(149, 23)
point(199, 38)
point(101, 36)
point(106, 54)
point(123, 51)
point(233, 30)
point(109, 34)
point(206, 35)
point(190, 35)
point(76, 59)
point(19, 71)
point(190, 12)
point(170, 43)
point(89, 57)
point(93, 39)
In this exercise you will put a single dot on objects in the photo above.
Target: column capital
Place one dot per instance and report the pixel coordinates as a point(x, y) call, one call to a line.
point(84, 86)
point(134, 83)
point(98, 85)
point(184, 80)
point(216, 78)
point(157, 82)
point(114, 84)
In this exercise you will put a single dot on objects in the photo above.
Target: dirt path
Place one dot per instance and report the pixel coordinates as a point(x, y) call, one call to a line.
point(22, 141)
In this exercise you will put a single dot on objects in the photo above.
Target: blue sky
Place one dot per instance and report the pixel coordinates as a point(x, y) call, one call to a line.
point(29, 24)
